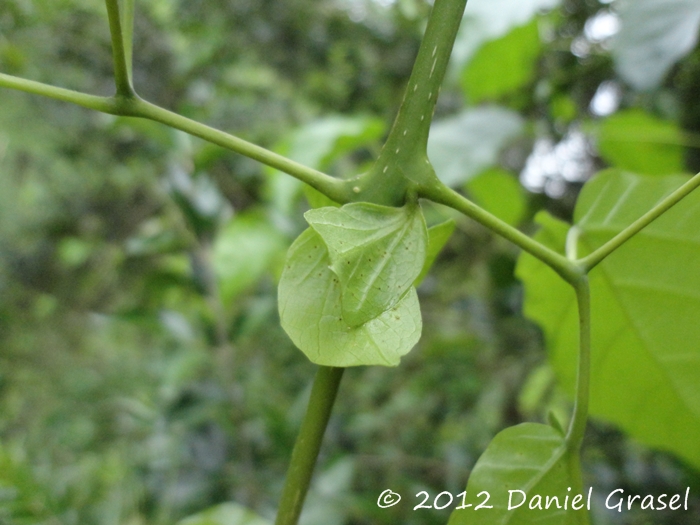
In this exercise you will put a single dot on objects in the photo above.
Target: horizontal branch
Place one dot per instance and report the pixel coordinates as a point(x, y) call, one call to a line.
point(103, 104)
point(335, 189)
point(568, 270)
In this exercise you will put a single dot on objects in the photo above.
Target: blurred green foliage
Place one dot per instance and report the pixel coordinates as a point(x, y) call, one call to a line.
point(143, 373)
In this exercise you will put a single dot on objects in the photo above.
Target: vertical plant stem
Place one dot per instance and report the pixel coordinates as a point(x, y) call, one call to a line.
point(403, 160)
point(577, 428)
point(127, 22)
point(308, 444)
point(412, 123)
point(121, 70)
point(574, 459)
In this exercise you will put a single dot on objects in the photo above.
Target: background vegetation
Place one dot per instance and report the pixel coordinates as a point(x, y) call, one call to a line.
point(143, 373)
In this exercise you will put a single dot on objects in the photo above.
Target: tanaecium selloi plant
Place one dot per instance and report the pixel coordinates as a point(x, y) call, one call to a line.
point(347, 294)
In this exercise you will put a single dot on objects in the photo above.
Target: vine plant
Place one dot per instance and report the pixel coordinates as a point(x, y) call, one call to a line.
point(347, 294)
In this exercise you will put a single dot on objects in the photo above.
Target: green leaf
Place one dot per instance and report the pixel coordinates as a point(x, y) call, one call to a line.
point(645, 306)
point(243, 251)
point(636, 141)
point(377, 252)
point(225, 514)
point(311, 313)
point(500, 193)
point(438, 236)
point(462, 146)
point(654, 35)
point(530, 458)
point(502, 66)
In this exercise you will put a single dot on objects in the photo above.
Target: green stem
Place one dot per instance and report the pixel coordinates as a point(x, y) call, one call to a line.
point(308, 444)
point(121, 69)
point(335, 189)
point(127, 21)
point(403, 161)
point(441, 194)
point(338, 190)
point(577, 428)
point(103, 104)
point(574, 459)
point(412, 124)
point(593, 259)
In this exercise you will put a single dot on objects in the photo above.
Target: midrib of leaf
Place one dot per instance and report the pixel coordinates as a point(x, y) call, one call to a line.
point(370, 234)
point(543, 471)
point(377, 269)
point(559, 454)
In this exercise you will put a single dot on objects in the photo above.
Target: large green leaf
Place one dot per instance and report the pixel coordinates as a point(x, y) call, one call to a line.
point(645, 373)
point(636, 141)
point(376, 252)
point(521, 467)
point(654, 35)
point(311, 313)
point(504, 65)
